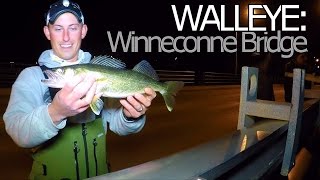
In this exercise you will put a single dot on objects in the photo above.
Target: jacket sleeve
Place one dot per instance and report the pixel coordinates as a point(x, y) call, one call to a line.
point(26, 119)
point(113, 114)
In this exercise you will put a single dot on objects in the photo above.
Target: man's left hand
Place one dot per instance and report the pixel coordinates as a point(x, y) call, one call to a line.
point(137, 105)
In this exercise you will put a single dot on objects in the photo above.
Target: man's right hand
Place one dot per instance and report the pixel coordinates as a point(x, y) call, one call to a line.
point(74, 98)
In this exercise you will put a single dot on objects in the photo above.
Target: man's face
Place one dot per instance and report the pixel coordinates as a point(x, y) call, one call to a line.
point(65, 36)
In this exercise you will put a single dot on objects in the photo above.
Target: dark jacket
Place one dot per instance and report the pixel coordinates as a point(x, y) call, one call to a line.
point(288, 81)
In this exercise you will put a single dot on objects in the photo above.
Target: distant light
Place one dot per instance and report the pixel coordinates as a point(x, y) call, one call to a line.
point(318, 67)
point(11, 62)
point(317, 60)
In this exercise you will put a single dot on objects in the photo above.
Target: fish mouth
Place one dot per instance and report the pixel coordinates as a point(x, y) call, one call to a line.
point(54, 79)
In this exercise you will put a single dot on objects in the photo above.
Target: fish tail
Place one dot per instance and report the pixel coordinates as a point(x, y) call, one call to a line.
point(171, 91)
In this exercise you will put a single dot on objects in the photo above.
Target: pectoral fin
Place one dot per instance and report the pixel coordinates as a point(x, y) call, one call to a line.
point(96, 105)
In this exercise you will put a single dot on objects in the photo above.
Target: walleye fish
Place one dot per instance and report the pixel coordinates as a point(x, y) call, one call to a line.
point(114, 80)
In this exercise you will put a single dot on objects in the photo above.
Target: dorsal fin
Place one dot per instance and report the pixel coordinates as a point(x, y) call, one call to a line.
point(108, 61)
point(145, 68)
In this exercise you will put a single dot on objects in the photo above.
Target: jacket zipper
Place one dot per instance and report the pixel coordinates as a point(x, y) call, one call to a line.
point(76, 151)
point(84, 135)
point(95, 144)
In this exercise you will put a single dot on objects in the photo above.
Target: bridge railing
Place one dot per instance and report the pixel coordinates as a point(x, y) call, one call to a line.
point(221, 78)
point(10, 71)
point(198, 77)
point(188, 77)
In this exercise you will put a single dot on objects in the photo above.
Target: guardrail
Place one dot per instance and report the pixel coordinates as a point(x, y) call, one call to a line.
point(198, 77)
point(221, 78)
point(10, 71)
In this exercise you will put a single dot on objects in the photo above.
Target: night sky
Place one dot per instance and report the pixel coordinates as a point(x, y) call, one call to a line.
point(22, 38)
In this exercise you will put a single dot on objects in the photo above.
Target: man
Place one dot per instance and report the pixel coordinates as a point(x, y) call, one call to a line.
point(68, 140)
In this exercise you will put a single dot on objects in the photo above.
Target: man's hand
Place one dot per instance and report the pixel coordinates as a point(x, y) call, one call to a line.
point(74, 98)
point(137, 105)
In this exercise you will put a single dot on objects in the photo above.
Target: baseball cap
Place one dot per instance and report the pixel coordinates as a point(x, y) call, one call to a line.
point(63, 6)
